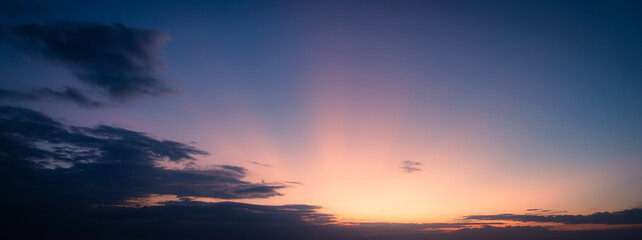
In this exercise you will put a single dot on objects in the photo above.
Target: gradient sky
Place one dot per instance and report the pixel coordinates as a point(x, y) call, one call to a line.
point(381, 111)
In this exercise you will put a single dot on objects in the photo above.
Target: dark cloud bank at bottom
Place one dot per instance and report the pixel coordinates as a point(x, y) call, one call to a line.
point(69, 182)
point(235, 221)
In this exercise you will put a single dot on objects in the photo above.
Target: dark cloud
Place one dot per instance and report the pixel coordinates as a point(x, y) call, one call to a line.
point(536, 233)
point(240, 170)
point(173, 220)
point(410, 166)
point(106, 165)
point(117, 60)
point(69, 94)
point(629, 216)
point(19, 95)
point(229, 220)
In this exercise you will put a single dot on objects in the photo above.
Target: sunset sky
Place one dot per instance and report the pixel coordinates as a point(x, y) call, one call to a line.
point(328, 119)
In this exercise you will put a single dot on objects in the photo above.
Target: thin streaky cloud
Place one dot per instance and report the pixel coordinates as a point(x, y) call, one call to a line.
point(261, 164)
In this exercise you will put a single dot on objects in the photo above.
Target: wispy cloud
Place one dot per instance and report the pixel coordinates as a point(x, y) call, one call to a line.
point(69, 94)
point(543, 211)
point(260, 164)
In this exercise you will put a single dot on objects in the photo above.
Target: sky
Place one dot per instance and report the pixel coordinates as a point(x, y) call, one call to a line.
point(321, 119)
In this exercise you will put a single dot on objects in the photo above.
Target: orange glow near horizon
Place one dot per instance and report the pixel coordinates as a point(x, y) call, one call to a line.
point(349, 158)
point(156, 200)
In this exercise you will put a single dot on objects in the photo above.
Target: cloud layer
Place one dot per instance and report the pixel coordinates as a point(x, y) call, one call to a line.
point(106, 165)
point(629, 216)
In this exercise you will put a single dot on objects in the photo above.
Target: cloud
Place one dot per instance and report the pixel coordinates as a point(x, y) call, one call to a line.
point(410, 166)
point(239, 170)
point(69, 94)
point(119, 61)
point(629, 216)
point(106, 165)
point(173, 220)
point(543, 211)
point(187, 219)
point(261, 164)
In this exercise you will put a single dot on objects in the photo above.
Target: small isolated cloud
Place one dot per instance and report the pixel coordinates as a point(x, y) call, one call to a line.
point(118, 61)
point(410, 166)
point(261, 164)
